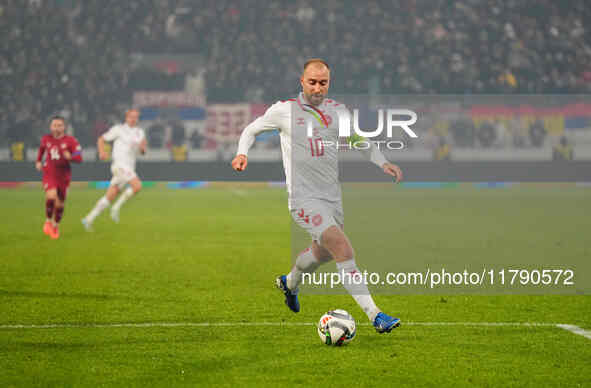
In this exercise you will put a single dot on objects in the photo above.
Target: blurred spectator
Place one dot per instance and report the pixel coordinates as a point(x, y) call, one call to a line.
point(563, 151)
point(537, 133)
point(196, 139)
point(442, 151)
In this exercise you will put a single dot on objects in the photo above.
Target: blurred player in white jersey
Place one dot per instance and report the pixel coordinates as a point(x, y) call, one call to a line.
point(128, 141)
point(311, 171)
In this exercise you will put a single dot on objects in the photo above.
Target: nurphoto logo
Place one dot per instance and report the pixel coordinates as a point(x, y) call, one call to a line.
point(392, 119)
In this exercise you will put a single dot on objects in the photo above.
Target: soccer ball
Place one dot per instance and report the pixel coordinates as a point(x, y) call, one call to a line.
point(336, 327)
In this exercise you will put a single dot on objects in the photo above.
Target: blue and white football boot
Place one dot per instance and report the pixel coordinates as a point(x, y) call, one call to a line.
point(291, 297)
point(385, 323)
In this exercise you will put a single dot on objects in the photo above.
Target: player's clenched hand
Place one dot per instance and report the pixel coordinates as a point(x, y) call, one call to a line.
point(103, 156)
point(38, 166)
point(239, 163)
point(394, 170)
point(67, 155)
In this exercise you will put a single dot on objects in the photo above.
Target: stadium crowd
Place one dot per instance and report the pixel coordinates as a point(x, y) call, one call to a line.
point(73, 56)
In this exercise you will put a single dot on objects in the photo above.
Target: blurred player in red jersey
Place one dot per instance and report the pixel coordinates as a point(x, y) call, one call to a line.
point(59, 149)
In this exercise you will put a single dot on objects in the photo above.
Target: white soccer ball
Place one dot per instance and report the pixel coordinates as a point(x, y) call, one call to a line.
point(336, 328)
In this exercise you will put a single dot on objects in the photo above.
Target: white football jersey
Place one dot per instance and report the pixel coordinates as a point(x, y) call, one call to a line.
point(126, 144)
point(309, 162)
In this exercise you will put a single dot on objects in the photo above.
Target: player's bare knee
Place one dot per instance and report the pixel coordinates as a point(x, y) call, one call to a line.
point(327, 239)
point(320, 253)
point(112, 192)
point(337, 243)
point(51, 195)
point(346, 250)
point(330, 238)
point(136, 186)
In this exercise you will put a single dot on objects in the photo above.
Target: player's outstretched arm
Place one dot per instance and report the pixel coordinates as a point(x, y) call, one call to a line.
point(266, 122)
point(375, 156)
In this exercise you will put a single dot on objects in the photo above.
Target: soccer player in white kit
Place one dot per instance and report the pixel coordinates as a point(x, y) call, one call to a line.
point(128, 140)
point(311, 171)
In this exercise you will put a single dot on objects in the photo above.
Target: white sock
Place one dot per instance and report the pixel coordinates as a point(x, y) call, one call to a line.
point(358, 289)
point(101, 205)
point(305, 263)
point(128, 193)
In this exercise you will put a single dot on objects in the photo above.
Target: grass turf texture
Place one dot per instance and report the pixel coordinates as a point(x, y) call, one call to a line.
point(211, 255)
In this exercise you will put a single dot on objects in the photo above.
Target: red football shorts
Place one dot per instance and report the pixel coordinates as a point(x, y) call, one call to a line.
point(58, 183)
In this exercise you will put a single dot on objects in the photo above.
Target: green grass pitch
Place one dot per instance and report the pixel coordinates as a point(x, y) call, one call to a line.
point(211, 256)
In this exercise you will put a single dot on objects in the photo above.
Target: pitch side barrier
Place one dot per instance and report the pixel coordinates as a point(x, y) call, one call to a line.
point(572, 171)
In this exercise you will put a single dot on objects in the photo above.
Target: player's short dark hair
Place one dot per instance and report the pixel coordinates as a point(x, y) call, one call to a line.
point(315, 60)
point(57, 117)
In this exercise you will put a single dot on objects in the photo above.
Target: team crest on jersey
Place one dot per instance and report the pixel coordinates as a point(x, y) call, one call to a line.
point(317, 220)
point(328, 119)
point(63, 145)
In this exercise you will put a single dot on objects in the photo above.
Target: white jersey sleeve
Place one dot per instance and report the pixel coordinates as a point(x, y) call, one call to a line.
point(374, 154)
point(112, 133)
point(272, 119)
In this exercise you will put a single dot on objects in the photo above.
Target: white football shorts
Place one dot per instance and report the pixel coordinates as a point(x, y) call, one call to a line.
point(121, 176)
point(315, 216)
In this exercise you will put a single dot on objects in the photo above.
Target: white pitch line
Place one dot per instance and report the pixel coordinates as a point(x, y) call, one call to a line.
point(526, 324)
point(572, 328)
point(239, 192)
point(576, 330)
point(229, 324)
point(149, 324)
